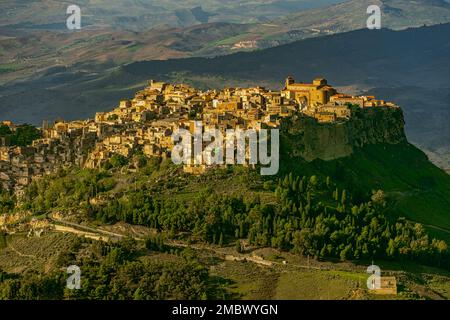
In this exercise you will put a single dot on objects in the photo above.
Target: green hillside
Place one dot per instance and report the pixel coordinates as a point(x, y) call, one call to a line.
point(323, 209)
point(419, 190)
point(225, 204)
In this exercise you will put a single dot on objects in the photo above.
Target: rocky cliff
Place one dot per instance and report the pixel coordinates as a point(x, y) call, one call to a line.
point(305, 137)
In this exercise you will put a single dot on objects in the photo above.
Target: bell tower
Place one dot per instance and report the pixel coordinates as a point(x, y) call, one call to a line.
point(289, 81)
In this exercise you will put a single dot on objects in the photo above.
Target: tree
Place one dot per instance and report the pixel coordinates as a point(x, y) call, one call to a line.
point(238, 246)
point(390, 251)
point(4, 130)
point(346, 254)
point(313, 181)
point(344, 197)
point(22, 136)
point(221, 239)
point(441, 249)
point(268, 185)
point(379, 198)
point(140, 161)
point(118, 160)
point(302, 242)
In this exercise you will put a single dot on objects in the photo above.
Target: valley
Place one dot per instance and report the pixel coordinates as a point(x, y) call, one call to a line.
point(297, 278)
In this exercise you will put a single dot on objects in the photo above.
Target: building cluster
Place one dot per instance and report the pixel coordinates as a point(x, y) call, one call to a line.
point(146, 123)
point(62, 145)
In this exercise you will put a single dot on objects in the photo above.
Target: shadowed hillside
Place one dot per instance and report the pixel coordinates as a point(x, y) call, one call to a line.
point(361, 57)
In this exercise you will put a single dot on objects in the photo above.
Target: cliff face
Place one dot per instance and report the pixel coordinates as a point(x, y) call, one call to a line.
point(304, 137)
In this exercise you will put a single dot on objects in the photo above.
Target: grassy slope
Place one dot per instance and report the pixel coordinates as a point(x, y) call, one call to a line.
point(416, 189)
point(246, 280)
point(419, 190)
point(327, 280)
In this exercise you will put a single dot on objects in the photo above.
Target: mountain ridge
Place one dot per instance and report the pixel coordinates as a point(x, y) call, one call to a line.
point(211, 38)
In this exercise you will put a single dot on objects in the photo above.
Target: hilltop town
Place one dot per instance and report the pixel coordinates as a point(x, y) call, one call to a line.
point(146, 123)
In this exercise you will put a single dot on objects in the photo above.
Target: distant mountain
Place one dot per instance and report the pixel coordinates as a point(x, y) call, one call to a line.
point(34, 36)
point(343, 17)
point(367, 58)
point(275, 17)
point(139, 15)
point(122, 31)
point(352, 14)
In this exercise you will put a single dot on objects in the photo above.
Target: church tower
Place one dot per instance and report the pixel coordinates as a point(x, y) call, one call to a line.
point(289, 81)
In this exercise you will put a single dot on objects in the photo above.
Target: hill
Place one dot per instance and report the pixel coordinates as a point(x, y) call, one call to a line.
point(363, 57)
point(394, 68)
point(143, 15)
point(347, 193)
point(119, 32)
point(337, 18)
point(409, 67)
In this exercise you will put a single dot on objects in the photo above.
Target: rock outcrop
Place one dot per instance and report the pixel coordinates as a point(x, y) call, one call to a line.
point(305, 137)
